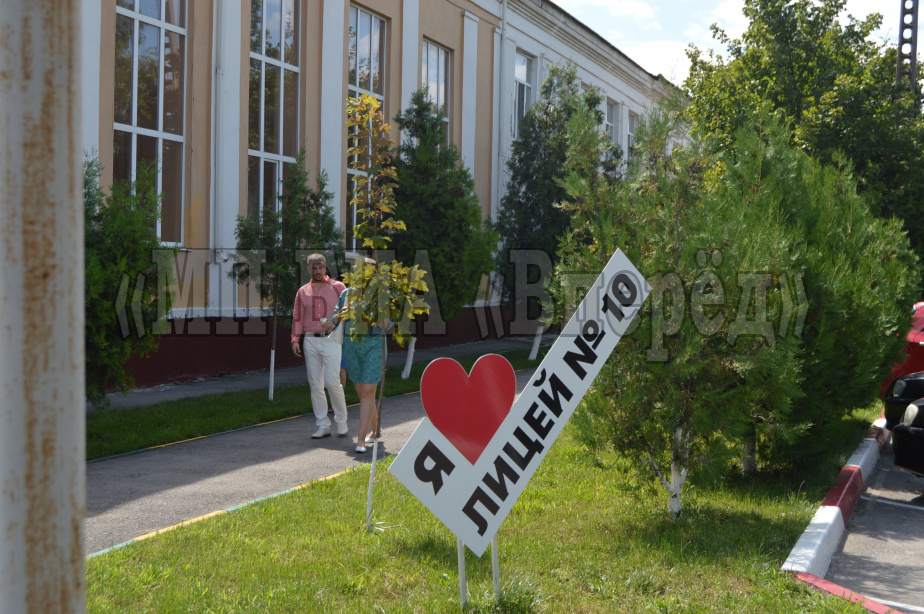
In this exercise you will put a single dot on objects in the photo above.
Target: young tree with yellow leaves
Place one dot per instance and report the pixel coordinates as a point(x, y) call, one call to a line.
point(389, 291)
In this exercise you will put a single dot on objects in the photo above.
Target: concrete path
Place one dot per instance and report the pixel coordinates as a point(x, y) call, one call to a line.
point(133, 495)
point(882, 556)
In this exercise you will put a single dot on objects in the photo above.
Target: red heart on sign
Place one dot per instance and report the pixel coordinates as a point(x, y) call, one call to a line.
point(468, 409)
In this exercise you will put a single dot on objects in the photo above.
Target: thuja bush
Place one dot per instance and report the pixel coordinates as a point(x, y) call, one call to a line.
point(777, 295)
point(272, 244)
point(437, 198)
point(127, 288)
point(528, 218)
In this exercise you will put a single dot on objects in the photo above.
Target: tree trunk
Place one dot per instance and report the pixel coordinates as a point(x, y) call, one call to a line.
point(674, 502)
point(678, 472)
point(749, 457)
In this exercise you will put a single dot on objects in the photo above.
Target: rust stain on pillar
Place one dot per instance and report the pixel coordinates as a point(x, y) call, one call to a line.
point(42, 176)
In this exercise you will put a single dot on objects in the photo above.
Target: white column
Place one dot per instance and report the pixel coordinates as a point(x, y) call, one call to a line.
point(495, 133)
point(469, 89)
point(227, 55)
point(543, 62)
point(91, 36)
point(410, 45)
point(504, 55)
point(333, 103)
point(623, 129)
point(504, 88)
point(42, 416)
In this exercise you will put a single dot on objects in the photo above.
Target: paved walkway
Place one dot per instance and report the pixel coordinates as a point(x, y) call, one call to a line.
point(882, 555)
point(130, 496)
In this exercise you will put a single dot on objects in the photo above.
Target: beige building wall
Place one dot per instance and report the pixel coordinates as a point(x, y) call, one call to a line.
point(444, 22)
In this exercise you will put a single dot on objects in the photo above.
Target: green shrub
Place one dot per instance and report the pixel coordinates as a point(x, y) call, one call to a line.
point(122, 278)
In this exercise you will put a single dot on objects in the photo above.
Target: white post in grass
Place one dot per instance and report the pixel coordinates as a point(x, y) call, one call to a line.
point(410, 359)
point(42, 416)
point(272, 372)
point(463, 593)
point(375, 454)
point(495, 565)
point(536, 340)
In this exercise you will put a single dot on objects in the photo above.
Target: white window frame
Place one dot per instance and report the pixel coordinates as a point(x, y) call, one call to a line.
point(522, 85)
point(611, 121)
point(443, 79)
point(630, 134)
point(133, 129)
point(353, 91)
point(280, 159)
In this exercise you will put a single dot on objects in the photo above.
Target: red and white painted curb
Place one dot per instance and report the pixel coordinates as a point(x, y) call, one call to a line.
point(812, 554)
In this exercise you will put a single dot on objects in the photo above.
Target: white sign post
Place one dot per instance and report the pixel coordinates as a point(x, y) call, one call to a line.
point(473, 498)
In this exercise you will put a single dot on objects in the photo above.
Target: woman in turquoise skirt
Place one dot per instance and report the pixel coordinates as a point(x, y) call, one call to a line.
point(363, 357)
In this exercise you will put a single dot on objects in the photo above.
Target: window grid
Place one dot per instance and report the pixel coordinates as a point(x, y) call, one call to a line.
point(167, 135)
point(273, 99)
point(610, 123)
point(633, 124)
point(365, 75)
point(435, 77)
point(523, 78)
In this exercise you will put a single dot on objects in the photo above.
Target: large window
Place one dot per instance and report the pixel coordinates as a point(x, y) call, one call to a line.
point(272, 130)
point(365, 75)
point(523, 75)
point(148, 128)
point(434, 75)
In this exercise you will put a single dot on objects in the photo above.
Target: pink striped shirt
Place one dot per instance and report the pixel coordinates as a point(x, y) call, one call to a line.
point(313, 302)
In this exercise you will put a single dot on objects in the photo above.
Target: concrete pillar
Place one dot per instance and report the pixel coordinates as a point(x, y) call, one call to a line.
point(333, 104)
point(226, 156)
point(410, 44)
point(42, 411)
point(469, 89)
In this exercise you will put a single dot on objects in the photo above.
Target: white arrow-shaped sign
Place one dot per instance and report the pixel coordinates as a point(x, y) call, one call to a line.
point(473, 500)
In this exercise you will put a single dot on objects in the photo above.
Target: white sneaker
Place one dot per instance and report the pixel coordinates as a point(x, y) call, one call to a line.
point(324, 431)
point(342, 430)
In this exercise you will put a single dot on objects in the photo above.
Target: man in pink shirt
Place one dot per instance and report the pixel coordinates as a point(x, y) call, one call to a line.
point(314, 302)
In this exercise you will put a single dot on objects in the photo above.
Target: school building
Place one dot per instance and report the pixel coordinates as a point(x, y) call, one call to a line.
point(224, 93)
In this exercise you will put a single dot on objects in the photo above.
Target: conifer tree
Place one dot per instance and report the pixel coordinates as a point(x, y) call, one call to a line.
point(823, 73)
point(272, 245)
point(527, 218)
point(436, 194)
point(761, 327)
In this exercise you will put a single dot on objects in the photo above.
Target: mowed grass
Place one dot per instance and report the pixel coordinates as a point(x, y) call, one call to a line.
point(113, 432)
point(586, 536)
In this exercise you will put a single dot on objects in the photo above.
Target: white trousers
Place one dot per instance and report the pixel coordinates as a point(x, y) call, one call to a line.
point(322, 361)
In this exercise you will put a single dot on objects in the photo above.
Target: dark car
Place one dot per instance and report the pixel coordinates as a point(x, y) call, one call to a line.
point(908, 439)
point(900, 393)
point(903, 396)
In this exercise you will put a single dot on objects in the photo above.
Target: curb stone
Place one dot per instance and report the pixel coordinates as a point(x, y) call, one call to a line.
point(811, 556)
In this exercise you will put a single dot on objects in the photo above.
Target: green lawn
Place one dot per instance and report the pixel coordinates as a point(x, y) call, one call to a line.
point(115, 432)
point(585, 536)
